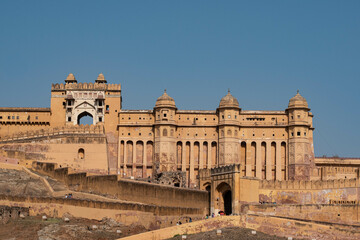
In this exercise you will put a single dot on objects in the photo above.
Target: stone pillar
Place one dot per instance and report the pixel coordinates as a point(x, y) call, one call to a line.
point(183, 156)
point(125, 159)
point(144, 161)
point(248, 159)
point(191, 175)
point(134, 159)
point(258, 160)
point(209, 156)
point(201, 155)
point(119, 158)
point(268, 161)
point(278, 161)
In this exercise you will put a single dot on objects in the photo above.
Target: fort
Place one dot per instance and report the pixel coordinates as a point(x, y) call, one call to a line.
point(165, 163)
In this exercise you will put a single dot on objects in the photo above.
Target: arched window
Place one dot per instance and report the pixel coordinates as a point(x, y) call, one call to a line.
point(85, 118)
point(229, 133)
point(81, 153)
point(165, 133)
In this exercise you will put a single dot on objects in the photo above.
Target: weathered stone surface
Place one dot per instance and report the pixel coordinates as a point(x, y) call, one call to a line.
point(15, 182)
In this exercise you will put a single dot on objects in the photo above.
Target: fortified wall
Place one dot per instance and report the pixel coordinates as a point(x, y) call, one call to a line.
point(128, 190)
point(81, 147)
point(232, 193)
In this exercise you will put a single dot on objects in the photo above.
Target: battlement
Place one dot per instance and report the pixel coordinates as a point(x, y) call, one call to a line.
point(73, 129)
point(85, 86)
point(308, 185)
point(226, 169)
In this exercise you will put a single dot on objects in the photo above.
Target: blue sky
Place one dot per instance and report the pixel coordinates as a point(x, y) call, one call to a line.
point(262, 50)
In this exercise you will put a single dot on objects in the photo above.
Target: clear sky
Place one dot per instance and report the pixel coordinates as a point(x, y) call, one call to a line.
point(262, 50)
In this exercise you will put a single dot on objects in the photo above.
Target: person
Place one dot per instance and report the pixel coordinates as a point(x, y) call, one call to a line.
point(213, 215)
point(66, 196)
point(190, 220)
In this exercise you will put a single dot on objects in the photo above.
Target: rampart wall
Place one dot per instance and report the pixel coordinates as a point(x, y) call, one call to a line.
point(51, 132)
point(129, 190)
point(309, 192)
point(330, 213)
point(279, 226)
point(150, 216)
point(83, 148)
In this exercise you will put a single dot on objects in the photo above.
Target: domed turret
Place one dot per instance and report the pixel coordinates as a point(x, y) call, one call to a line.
point(165, 101)
point(229, 101)
point(70, 79)
point(100, 79)
point(298, 101)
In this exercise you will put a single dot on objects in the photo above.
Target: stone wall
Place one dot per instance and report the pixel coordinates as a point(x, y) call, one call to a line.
point(151, 217)
point(7, 213)
point(331, 213)
point(129, 190)
point(82, 148)
point(282, 227)
point(309, 192)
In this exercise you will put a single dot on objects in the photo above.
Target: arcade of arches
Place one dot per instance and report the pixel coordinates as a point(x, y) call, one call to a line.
point(261, 159)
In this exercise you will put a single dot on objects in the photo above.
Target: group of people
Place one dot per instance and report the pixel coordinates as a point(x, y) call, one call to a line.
point(68, 195)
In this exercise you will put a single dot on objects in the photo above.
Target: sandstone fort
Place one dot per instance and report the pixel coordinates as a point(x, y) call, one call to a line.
point(169, 162)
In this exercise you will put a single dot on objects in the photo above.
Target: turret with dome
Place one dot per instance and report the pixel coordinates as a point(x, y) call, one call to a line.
point(229, 101)
point(298, 101)
point(101, 79)
point(70, 79)
point(165, 101)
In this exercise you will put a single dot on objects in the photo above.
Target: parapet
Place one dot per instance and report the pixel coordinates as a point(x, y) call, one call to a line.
point(308, 185)
point(225, 169)
point(75, 129)
point(85, 86)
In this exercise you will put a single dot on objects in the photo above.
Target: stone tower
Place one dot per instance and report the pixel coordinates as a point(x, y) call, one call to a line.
point(301, 154)
point(228, 112)
point(165, 142)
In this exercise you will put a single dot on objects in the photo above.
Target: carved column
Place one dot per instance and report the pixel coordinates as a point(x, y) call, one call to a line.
point(191, 175)
point(258, 160)
point(145, 160)
point(209, 160)
point(125, 158)
point(201, 155)
point(183, 156)
point(268, 161)
point(278, 161)
point(119, 158)
point(134, 159)
point(248, 159)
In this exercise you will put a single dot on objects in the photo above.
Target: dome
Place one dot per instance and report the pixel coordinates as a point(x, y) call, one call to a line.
point(165, 101)
point(100, 78)
point(229, 101)
point(70, 78)
point(298, 101)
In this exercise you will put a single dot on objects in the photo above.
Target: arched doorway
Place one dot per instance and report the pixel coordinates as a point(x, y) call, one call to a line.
point(224, 198)
point(208, 189)
point(227, 202)
point(85, 118)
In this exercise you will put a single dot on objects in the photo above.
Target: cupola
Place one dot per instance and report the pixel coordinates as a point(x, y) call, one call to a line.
point(70, 79)
point(100, 79)
point(229, 101)
point(298, 101)
point(165, 101)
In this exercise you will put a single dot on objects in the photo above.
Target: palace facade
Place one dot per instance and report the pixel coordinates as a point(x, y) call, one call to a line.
point(165, 144)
